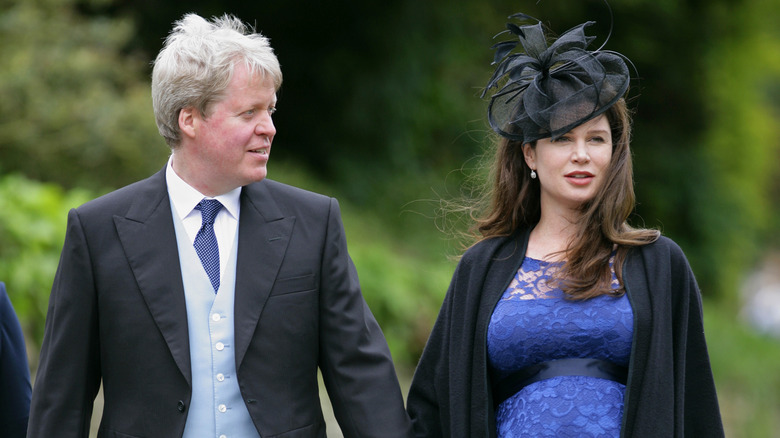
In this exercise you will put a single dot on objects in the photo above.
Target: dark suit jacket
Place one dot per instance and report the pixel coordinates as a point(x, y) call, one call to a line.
point(117, 312)
point(14, 372)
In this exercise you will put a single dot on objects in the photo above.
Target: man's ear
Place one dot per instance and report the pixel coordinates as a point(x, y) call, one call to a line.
point(187, 118)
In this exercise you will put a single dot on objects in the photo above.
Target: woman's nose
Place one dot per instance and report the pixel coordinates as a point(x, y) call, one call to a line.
point(580, 153)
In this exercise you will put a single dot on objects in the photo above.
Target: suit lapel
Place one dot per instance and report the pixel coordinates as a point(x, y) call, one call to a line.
point(263, 237)
point(149, 240)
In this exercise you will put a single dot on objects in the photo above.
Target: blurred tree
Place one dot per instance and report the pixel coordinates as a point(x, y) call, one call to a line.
point(74, 108)
point(706, 137)
point(742, 139)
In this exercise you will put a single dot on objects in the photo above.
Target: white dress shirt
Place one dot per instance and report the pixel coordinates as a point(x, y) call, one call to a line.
point(184, 198)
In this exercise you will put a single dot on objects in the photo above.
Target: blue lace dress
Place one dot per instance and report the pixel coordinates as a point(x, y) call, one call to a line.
point(534, 323)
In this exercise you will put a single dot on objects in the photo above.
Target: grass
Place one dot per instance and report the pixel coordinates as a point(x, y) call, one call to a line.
point(746, 365)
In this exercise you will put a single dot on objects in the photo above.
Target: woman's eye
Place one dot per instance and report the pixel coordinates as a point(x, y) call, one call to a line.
point(271, 110)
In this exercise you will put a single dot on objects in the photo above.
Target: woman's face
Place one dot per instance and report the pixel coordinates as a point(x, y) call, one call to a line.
point(573, 167)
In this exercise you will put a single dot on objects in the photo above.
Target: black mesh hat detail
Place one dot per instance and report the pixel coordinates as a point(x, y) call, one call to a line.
point(546, 91)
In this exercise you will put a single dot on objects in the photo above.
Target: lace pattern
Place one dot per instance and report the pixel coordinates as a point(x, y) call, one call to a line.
point(532, 323)
point(532, 283)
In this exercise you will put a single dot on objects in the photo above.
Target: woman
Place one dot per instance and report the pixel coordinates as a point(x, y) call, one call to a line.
point(562, 320)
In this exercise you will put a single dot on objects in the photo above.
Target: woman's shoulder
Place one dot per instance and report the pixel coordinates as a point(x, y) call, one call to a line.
point(664, 252)
point(481, 247)
point(491, 247)
point(662, 245)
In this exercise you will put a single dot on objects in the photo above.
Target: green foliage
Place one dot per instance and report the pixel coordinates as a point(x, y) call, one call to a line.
point(32, 230)
point(75, 109)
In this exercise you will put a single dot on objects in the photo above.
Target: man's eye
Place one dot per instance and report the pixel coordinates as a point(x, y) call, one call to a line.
point(271, 110)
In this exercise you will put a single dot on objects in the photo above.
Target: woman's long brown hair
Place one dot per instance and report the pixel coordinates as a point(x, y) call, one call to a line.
point(514, 203)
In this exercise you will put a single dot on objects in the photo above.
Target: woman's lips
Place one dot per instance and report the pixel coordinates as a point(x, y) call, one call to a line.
point(579, 178)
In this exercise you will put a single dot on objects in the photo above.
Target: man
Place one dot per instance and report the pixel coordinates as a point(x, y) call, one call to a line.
point(205, 297)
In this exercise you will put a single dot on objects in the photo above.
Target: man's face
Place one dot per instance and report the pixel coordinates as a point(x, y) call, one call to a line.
point(229, 148)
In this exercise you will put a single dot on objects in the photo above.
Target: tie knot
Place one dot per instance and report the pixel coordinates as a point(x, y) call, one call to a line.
point(209, 209)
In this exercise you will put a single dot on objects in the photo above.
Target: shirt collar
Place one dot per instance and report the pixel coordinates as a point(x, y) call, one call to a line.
point(184, 197)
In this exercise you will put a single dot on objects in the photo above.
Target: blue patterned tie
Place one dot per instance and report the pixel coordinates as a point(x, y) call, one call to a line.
point(206, 241)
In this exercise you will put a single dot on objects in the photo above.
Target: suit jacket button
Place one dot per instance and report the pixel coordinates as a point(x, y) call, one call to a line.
point(180, 406)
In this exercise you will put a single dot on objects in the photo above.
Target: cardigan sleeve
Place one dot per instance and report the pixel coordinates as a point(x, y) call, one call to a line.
point(697, 398)
point(670, 390)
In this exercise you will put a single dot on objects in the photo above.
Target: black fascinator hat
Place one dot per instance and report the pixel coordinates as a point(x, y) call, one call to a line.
point(546, 91)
